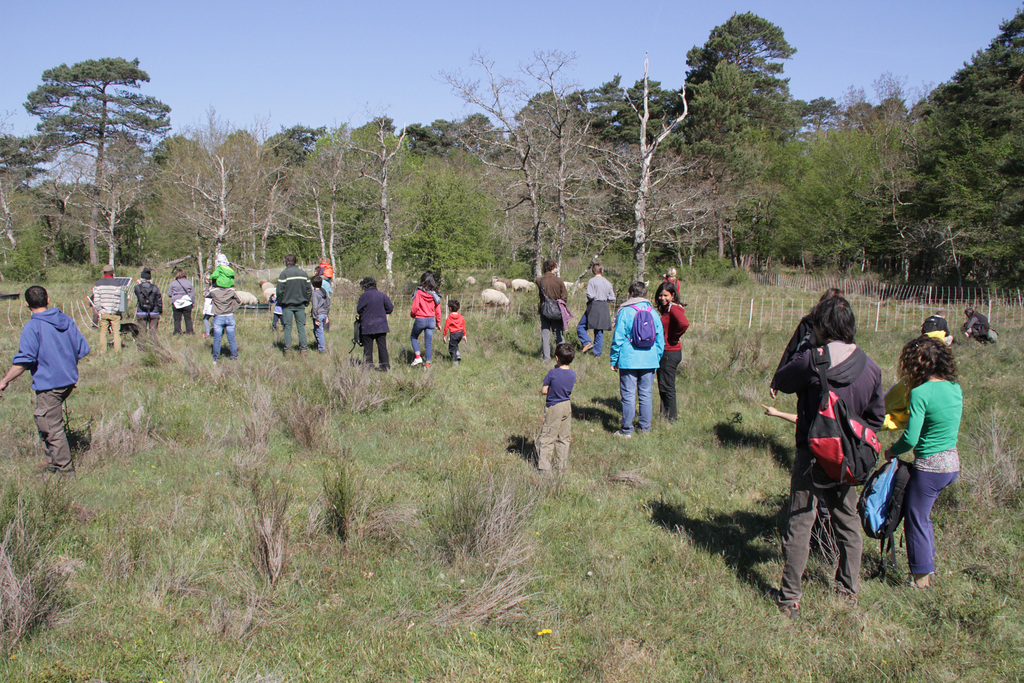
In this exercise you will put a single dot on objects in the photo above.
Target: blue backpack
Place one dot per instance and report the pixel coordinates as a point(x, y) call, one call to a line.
point(881, 504)
point(644, 334)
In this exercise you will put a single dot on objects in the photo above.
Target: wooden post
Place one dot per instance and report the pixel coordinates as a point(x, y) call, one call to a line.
point(878, 314)
point(750, 320)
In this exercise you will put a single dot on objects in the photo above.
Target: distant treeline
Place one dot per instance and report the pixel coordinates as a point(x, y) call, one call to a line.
point(916, 187)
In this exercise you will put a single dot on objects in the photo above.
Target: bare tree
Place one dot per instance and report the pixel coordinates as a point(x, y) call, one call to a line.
point(377, 159)
point(226, 188)
point(639, 171)
point(125, 178)
point(511, 149)
point(319, 206)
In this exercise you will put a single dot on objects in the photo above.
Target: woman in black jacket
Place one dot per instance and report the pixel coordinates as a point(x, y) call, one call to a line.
point(372, 311)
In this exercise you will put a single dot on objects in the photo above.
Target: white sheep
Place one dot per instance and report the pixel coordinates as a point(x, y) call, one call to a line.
point(499, 286)
point(470, 280)
point(520, 285)
point(268, 289)
point(492, 297)
point(246, 298)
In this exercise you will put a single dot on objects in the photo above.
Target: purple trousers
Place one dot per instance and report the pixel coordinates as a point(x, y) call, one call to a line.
point(922, 491)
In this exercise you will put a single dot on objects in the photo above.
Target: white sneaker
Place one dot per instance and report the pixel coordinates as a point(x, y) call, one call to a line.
point(417, 361)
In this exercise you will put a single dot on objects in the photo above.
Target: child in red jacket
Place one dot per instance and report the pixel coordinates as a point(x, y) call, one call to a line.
point(454, 330)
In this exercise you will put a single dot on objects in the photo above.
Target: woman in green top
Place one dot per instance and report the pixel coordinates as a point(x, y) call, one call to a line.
point(936, 404)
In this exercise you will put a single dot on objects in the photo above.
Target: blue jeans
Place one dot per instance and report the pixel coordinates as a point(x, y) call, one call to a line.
point(222, 324)
point(425, 325)
point(922, 491)
point(634, 386)
point(318, 332)
point(581, 332)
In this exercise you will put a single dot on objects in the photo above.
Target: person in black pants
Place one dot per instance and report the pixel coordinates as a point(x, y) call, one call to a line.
point(182, 296)
point(373, 309)
point(675, 324)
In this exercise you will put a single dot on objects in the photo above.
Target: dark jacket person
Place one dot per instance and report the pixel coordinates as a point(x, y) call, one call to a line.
point(857, 380)
point(373, 309)
point(293, 294)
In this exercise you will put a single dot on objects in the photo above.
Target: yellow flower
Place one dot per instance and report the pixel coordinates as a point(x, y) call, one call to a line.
point(544, 632)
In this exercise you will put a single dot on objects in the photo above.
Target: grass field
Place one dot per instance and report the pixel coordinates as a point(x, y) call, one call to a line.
point(302, 520)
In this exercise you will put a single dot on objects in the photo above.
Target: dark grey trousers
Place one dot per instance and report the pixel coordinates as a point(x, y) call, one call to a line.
point(796, 542)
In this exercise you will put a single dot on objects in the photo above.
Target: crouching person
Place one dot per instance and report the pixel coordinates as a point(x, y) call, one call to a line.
point(50, 348)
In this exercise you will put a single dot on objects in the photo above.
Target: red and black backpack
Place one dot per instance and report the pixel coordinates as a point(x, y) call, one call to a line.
point(844, 448)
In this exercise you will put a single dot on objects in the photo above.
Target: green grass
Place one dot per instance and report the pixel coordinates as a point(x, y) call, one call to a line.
point(648, 561)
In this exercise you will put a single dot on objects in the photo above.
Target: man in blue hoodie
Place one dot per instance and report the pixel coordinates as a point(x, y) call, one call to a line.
point(50, 348)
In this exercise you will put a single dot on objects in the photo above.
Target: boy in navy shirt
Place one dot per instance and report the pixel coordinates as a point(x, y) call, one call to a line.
point(555, 436)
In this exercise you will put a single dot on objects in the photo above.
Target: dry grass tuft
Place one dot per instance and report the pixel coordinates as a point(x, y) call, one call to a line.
point(237, 623)
point(745, 352)
point(29, 581)
point(628, 660)
point(121, 436)
point(125, 553)
point(486, 523)
point(269, 530)
point(352, 509)
point(504, 590)
point(354, 388)
point(995, 478)
point(258, 422)
point(309, 424)
point(388, 523)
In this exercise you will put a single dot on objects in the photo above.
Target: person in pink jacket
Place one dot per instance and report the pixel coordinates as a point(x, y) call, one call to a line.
point(426, 315)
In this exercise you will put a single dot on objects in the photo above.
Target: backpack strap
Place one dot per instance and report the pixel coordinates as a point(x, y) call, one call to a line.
point(822, 362)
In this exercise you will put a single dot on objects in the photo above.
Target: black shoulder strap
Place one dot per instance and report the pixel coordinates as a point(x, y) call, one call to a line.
point(822, 362)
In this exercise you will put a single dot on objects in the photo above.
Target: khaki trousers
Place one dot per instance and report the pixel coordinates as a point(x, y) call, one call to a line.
point(555, 437)
point(110, 322)
point(50, 422)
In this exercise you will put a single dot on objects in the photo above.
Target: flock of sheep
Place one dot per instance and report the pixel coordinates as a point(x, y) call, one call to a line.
point(495, 294)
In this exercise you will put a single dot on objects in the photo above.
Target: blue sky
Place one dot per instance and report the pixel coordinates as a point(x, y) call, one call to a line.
point(327, 63)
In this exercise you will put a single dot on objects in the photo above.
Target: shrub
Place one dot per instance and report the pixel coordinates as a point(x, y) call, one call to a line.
point(338, 493)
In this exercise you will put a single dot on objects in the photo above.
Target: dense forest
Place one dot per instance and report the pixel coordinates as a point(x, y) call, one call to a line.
point(912, 187)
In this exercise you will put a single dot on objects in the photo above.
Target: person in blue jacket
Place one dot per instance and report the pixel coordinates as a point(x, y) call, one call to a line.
point(636, 365)
point(50, 348)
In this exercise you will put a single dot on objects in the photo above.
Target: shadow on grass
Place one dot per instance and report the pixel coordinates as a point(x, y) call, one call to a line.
point(610, 421)
point(524, 447)
point(531, 352)
point(731, 433)
point(735, 536)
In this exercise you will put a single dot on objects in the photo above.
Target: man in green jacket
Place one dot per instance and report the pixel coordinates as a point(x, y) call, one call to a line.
point(293, 294)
